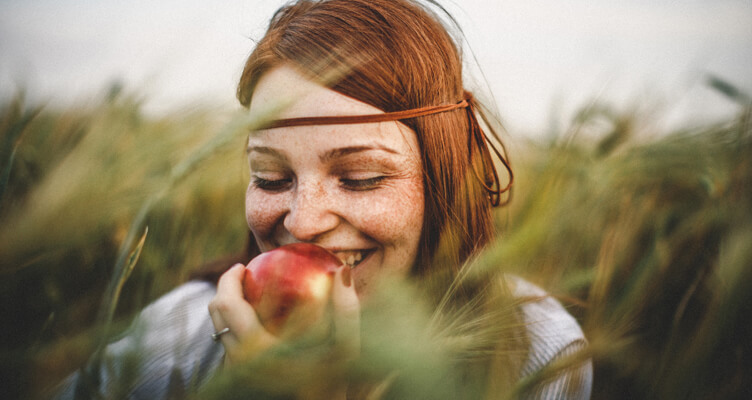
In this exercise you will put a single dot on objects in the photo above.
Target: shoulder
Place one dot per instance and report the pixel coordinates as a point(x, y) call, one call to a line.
point(174, 336)
point(553, 334)
point(178, 316)
point(180, 305)
point(550, 327)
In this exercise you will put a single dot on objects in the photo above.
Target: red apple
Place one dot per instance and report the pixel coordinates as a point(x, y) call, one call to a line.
point(289, 286)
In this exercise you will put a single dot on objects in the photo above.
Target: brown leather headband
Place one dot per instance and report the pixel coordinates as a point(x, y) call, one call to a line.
point(364, 119)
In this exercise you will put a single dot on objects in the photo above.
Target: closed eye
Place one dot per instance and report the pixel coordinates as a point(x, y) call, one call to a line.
point(362, 184)
point(275, 185)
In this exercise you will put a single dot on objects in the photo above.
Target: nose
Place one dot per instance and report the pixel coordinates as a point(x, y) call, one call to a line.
point(311, 212)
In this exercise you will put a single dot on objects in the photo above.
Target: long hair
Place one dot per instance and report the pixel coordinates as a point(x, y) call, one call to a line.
point(395, 55)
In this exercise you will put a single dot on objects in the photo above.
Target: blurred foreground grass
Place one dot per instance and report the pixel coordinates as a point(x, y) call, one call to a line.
point(646, 236)
point(76, 181)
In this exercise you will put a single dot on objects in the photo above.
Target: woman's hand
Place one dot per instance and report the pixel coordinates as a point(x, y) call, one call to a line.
point(229, 309)
point(247, 336)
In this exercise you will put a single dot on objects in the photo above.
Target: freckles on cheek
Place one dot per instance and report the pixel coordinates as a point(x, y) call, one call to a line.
point(397, 215)
point(261, 214)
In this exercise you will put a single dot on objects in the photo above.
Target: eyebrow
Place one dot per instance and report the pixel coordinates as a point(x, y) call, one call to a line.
point(266, 150)
point(328, 156)
point(341, 152)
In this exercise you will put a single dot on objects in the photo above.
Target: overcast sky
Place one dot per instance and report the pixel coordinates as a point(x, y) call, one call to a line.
point(537, 55)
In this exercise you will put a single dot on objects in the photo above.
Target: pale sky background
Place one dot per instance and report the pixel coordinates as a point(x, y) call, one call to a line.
point(537, 55)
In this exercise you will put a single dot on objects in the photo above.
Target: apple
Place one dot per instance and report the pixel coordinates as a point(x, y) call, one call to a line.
point(289, 286)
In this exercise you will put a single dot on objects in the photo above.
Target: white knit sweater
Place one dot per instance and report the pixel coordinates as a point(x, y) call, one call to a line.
point(174, 332)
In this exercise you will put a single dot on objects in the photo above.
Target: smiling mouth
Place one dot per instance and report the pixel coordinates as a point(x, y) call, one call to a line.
point(352, 258)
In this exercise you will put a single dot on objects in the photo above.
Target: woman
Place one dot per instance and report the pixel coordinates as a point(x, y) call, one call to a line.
point(379, 158)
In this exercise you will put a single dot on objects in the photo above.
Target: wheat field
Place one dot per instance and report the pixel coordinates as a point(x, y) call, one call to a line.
point(645, 235)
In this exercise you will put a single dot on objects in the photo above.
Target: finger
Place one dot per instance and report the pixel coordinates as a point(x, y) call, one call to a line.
point(231, 282)
point(228, 339)
point(229, 309)
point(218, 305)
point(346, 307)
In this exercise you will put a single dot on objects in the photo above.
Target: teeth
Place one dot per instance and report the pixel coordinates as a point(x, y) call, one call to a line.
point(351, 258)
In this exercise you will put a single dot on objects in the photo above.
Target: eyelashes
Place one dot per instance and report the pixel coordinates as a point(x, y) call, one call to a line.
point(363, 184)
point(271, 185)
point(357, 185)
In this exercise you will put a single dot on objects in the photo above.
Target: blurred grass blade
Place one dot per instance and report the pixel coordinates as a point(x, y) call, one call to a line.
point(12, 136)
point(729, 90)
point(88, 385)
point(132, 260)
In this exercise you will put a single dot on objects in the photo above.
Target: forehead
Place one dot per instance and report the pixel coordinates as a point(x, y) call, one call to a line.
point(285, 93)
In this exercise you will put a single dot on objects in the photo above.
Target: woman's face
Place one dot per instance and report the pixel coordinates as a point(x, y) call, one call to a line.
point(356, 190)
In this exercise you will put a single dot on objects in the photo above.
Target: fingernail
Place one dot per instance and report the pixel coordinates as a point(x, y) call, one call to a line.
point(346, 277)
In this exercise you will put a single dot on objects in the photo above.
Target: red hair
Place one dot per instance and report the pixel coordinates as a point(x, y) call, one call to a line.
point(396, 55)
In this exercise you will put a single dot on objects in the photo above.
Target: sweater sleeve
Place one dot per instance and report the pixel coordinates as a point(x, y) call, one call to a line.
point(554, 335)
point(167, 351)
point(574, 383)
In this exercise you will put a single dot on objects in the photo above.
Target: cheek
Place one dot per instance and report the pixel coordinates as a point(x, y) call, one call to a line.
point(262, 212)
point(396, 218)
point(396, 222)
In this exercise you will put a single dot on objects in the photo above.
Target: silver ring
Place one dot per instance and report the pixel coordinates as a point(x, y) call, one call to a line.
point(216, 335)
